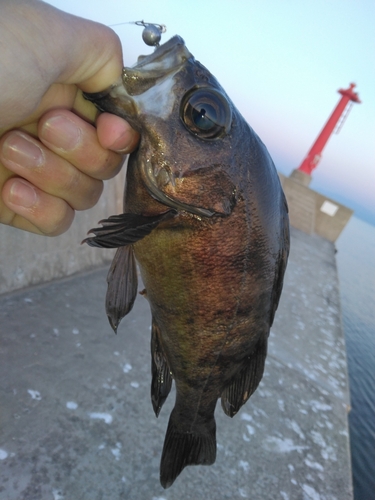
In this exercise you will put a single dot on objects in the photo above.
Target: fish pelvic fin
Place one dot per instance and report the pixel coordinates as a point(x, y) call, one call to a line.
point(124, 229)
point(183, 448)
point(161, 374)
point(243, 385)
point(122, 282)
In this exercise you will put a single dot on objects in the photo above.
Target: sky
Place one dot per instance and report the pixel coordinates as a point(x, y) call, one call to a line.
point(282, 63)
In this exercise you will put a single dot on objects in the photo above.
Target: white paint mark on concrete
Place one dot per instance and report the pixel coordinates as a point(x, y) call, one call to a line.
point(314, 465)
point(250, 429)
point(71, 405)
point(57, 495)
point(281, 404)
point(317, 406)
point(134, 384)
point(3, 454)
point(245, 438)
point(116, 453)
point(101, 416)
point(284, 495)
point(34, 394)
point(244, 465)
point(310, 493)
point(246, 416)
point(329, 454)
point(285, 445)
point(127, 368)
point(296, 428)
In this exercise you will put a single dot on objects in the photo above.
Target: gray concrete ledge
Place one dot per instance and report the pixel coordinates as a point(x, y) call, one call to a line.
point(77, 423)
point(29, 259)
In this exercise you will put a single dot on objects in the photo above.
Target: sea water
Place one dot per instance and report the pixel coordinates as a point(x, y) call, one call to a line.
point(356, 268)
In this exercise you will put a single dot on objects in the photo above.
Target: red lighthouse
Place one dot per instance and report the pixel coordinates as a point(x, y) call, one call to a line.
point(313, 156)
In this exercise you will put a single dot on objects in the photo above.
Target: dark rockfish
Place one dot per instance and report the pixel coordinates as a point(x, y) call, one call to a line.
point(206, 219)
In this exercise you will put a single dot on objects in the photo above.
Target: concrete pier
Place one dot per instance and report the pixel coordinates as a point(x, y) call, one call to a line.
point(76, 421)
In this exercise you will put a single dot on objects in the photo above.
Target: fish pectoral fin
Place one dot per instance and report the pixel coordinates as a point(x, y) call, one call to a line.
point(124, 229)
point(122, 286)
point(246, 381)
point(183, 448)
point(161, 374)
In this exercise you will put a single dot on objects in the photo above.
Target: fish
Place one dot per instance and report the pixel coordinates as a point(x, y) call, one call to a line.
point(206, 220)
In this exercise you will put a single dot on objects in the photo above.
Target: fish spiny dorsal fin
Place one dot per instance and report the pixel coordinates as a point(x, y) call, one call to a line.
point(122, 286)
point(183, 448)
point(161, 374)
point(246, 381)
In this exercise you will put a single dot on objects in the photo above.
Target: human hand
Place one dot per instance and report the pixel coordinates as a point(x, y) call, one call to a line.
point(52, 158)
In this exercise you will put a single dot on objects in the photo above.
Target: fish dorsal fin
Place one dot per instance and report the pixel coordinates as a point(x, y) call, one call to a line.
point(161, 374)
point(124, 229)
point(246, 381)
point(122, 286)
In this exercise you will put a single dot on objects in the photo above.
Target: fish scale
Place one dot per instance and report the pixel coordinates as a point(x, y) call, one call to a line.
point(206, 220)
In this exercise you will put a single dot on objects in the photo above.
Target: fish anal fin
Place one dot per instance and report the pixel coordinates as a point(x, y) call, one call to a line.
point(186, 448)
point(122, 286)
point(246, 381)
point(161, 375)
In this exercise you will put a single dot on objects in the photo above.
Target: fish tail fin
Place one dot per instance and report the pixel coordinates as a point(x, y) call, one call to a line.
point(246, 381)
point(183, 448)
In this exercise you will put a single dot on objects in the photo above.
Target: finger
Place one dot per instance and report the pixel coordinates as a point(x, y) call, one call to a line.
point(116, 134)
point(35, 211)
point(29, 159)
point(75, 140)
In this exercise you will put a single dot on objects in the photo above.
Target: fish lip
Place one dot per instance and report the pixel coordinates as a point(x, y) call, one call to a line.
point(159, 195)
point(175, 45)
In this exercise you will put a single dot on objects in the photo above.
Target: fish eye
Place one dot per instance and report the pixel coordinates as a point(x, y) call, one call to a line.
point(206, 113)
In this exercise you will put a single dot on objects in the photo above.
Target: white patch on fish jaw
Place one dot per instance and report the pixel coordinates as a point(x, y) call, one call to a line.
point(159, 99)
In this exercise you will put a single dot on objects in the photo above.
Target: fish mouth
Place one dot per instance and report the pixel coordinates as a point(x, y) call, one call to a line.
point(162, 175)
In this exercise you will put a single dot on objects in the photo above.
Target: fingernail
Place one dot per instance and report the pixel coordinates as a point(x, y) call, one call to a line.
point(22, 194)
point(61, 132)
point(22, 150)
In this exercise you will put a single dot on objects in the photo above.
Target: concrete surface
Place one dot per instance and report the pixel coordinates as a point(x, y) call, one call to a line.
point(77, 423)
point(310, 211)
point(29, 259)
